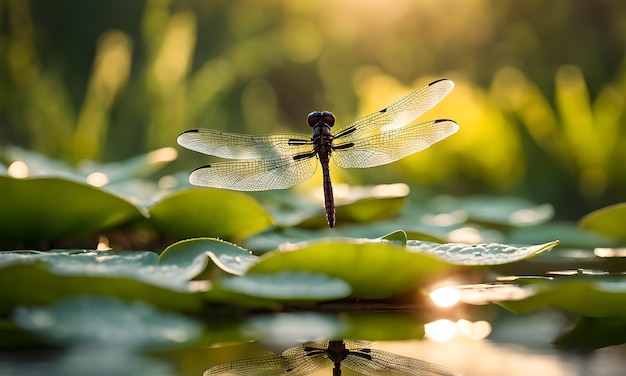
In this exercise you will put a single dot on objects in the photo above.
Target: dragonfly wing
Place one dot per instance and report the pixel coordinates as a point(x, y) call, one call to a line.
point(391, 145)
point(276, 365)
point(401, 112)
point(242, 146)
point(263, 366)
point(255, 175)
point(376, 362)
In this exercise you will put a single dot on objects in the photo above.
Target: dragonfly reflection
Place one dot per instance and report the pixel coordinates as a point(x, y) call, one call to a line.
point(281, 161)
point(311, 357)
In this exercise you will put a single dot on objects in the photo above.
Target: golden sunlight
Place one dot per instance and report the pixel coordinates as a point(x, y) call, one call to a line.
point(18, 170)
point(445, 296)
point(446, 330)
point(161, 155)
point(97, 179)
point(610, 252)
point(440, 330)
point(103, 243)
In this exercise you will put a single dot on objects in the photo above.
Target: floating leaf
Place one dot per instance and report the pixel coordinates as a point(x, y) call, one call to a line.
point(510, 211)
point(293, 287)
point(44, 277)
point(211, 212)
point(353, 204)
point(142, 165)
point(479, 254)
point(93, 321)
point(226, 256)
point(569, 235)
point(274, 238)
point(398, 237)
point(608, 221)
point(39, 210)
point(373, 269)
point(363, 204)
point(40, 165)
point(588, 295)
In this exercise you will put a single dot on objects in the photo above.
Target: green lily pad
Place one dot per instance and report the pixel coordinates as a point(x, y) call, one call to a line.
point(590, 295)
point(363, 204)
point(398, 237)
point(273, 290)
point(374, 270)
point(274, 238)
point(43, 210)
point(226, 256)
point(354, 204)
point(40, 165)
point(608, 221)
point(211, 212)
point(139, 166)
point(365, 210)
point(44, 277)
point(479, 254)
point(100, 321)
point(508, 211)
point(569, 235)
point(366, 264)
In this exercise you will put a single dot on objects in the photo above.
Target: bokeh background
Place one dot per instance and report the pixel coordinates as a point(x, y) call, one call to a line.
point(540, 95)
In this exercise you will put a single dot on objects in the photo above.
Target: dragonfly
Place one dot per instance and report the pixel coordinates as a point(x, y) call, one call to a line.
point(280, 161)
point(314, 356)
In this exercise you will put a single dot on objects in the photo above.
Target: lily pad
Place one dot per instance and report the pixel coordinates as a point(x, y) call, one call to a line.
point(45, 277)
point(398, 237)
point(590, 295)
point(608, 221)
point(361, 211)
point(39, 165)
point(211, 212)
point(374, 270)
point(274, 238)
point(101, 321)
point(46, 209)
point(226, 256)
point(479, 254)
point(509, 211)
point(139, 166)
point(569, 235)
point(273, 290)
point(354, 204)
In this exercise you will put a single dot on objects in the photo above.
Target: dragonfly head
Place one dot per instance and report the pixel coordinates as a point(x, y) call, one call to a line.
point(326, 117)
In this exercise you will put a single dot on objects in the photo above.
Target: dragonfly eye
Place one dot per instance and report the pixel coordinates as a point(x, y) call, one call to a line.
point(329, 118)
point(313, 118)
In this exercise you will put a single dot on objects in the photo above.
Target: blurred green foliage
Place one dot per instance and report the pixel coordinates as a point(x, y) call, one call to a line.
point(540, 95)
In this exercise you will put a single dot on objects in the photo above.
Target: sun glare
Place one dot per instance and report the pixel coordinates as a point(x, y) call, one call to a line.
point(445, 296)
point(446, 330)
point(97, 179)
point(18, 170)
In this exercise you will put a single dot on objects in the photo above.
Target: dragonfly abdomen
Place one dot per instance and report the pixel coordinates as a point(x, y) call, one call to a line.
point(329, 200)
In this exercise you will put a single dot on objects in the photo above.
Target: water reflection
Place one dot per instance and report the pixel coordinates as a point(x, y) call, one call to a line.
point(446, 330)
point(314, 356)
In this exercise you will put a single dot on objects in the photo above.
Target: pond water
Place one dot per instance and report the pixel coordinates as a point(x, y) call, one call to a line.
point(505, 344)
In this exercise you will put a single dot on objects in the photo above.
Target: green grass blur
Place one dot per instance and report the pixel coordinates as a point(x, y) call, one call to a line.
point(540, 93)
